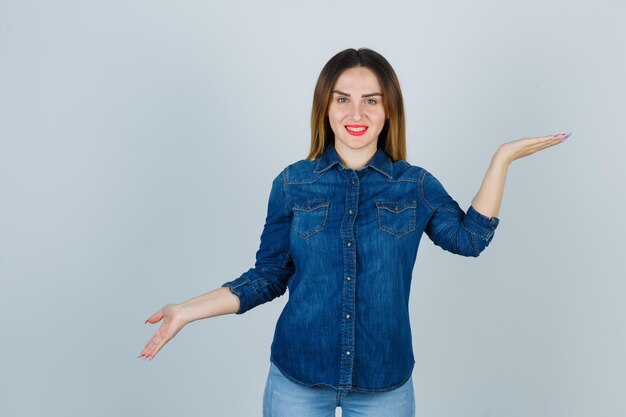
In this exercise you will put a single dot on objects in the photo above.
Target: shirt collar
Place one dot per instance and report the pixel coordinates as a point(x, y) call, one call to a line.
point(380, 161)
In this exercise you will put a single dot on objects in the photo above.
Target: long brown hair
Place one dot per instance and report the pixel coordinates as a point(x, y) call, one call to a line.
point(392, 138)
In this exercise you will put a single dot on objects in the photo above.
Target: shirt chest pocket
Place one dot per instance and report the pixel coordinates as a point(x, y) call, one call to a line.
point(309, 217)
point(396, 217)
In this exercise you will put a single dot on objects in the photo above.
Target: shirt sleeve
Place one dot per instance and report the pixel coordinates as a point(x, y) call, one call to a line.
point(463, 233)
point(274, 264)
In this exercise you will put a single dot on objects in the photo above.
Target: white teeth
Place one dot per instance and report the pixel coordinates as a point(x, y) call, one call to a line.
point(356, 129)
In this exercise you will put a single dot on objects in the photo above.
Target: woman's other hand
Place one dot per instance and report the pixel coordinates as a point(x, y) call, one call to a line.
point(520, 148)
point(172, 323)
point(489, 197)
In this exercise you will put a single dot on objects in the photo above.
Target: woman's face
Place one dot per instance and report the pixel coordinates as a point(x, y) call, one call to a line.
point(356, 112)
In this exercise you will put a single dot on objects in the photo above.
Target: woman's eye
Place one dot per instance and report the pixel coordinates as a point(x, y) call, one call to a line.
point(369, 101)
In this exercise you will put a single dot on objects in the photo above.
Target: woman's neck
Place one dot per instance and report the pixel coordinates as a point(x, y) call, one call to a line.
point(355, 158)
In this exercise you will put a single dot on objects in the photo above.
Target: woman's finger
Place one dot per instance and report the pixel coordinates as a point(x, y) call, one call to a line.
point(545, 144)
point(149, 348)
point(555, 141)
point(530, 145)
point(541, 146)
point(549, 138)
point(154, 349)
point(561, 136)
point(547, 141)
point(155, 318)
point(157, 349)
point(154, 345)
point(540, 139)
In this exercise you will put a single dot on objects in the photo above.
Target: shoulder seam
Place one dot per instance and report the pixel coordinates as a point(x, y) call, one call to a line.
point(420, 183)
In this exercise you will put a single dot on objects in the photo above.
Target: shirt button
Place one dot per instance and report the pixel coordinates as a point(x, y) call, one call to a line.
point(348, 278)
point(350, 211)
point(349, 243)
point(347, 316)
point(353, 181)
point(348, 352)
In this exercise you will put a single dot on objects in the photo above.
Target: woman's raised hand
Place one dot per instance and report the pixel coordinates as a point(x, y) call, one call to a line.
point(172, 323)
point(489, 197)
point(520, 148)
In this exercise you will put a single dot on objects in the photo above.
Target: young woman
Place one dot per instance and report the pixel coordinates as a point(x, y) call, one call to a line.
point(342, 232)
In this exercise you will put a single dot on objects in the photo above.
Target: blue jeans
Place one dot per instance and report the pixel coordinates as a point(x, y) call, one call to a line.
point(285, 398)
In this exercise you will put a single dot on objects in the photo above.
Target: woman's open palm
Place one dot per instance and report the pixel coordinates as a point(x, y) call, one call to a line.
point(172, 323)
point(520, 148)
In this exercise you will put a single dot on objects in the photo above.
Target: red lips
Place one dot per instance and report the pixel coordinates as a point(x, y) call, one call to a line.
point(360, 133)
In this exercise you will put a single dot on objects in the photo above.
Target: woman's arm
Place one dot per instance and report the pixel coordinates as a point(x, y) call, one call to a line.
point(489, 197)
point(469, 233)
point(217, 302)
point(265, 281)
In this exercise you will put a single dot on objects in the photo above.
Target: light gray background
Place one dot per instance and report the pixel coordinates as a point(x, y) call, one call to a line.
point(138, 144)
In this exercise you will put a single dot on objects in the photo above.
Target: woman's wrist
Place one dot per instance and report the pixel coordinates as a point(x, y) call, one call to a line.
point(181, 313)
point(502, 158)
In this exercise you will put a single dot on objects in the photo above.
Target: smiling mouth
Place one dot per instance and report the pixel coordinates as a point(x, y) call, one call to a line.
point(356, 130)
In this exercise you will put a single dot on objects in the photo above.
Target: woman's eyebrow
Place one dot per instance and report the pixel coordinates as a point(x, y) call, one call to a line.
point(364, 95)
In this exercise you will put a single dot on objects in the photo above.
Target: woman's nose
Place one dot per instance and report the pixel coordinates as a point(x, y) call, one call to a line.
point(356, 111)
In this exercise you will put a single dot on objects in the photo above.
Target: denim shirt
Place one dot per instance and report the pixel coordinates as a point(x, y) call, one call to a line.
point(344, 242)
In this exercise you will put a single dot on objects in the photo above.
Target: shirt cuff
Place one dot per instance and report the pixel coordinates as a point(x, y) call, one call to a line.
point(242, 287)
point(481, 224)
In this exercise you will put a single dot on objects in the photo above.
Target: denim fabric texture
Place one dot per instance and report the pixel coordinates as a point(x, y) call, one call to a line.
point(284, 398)
point(344, 242)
